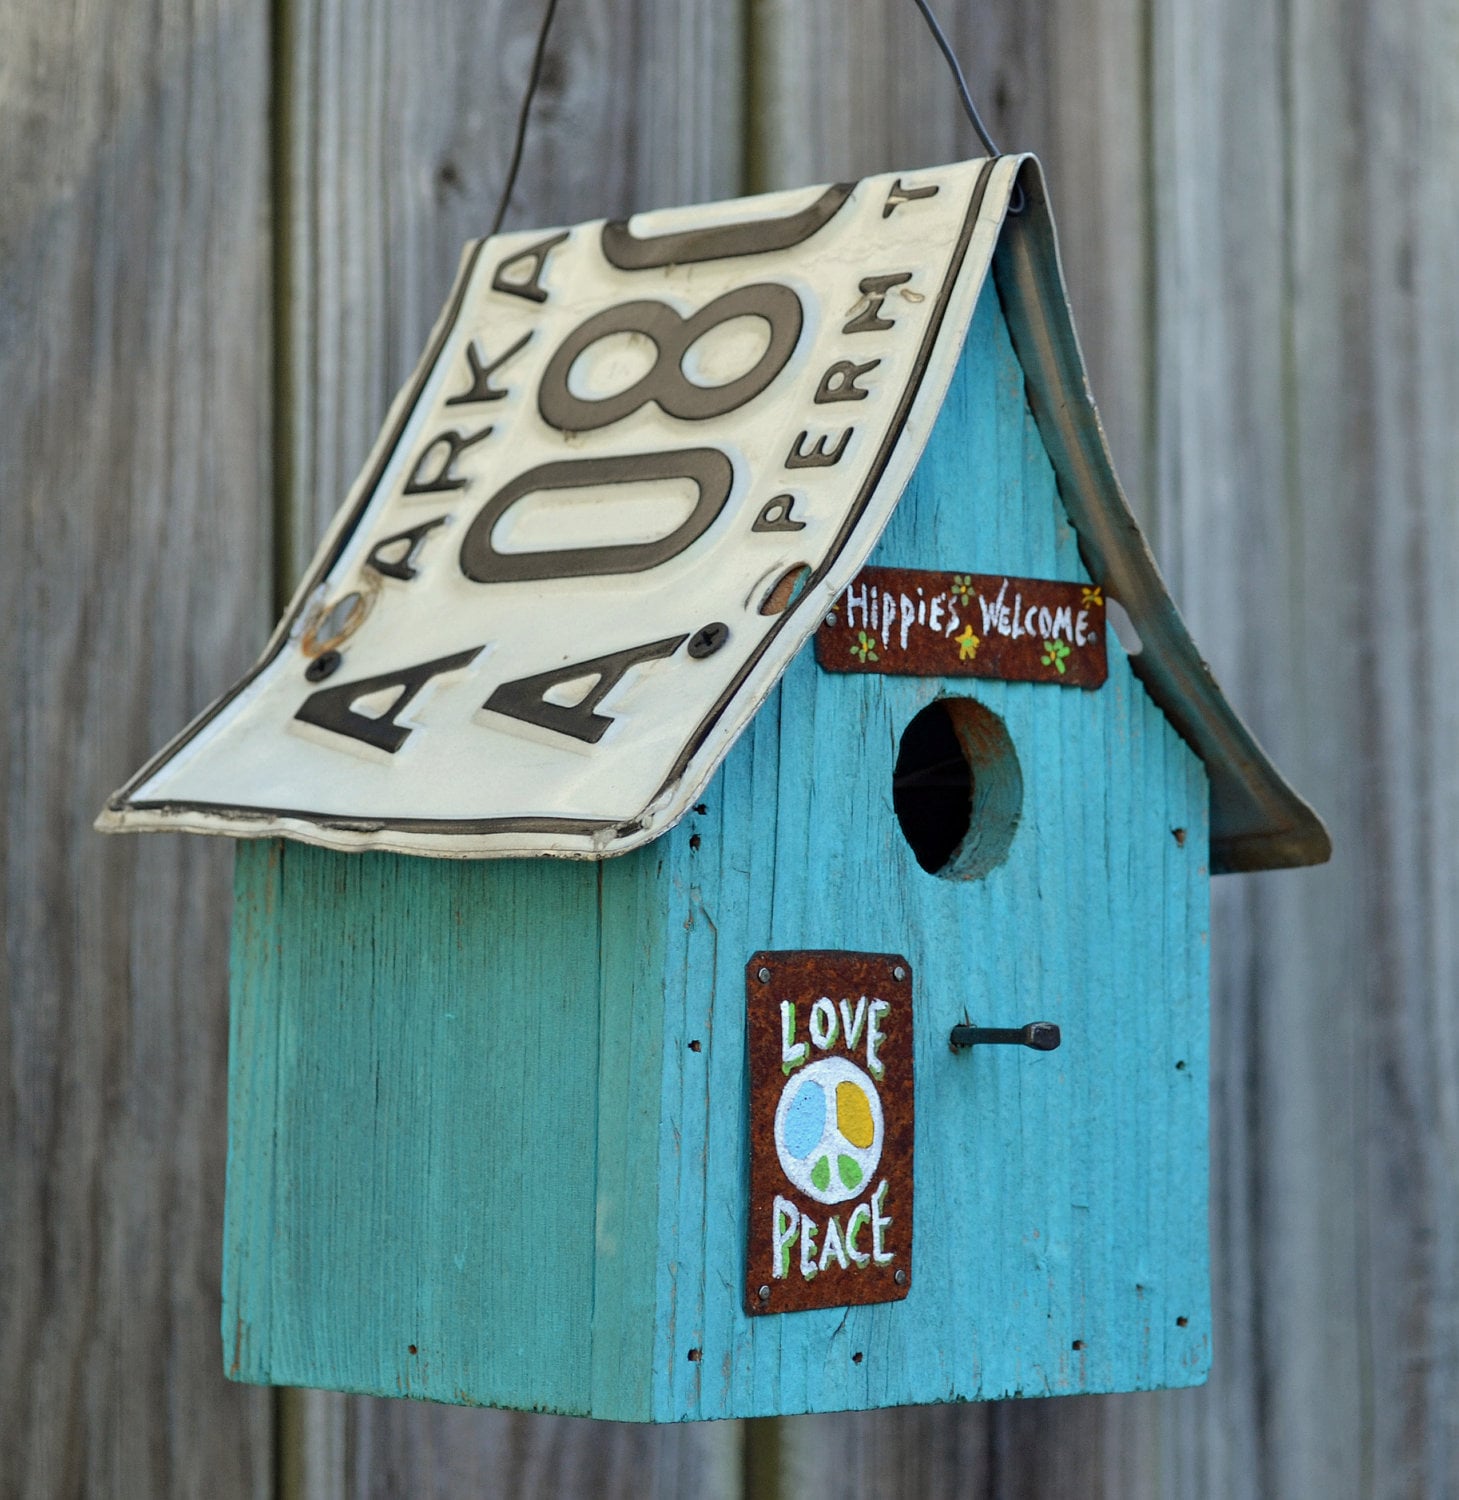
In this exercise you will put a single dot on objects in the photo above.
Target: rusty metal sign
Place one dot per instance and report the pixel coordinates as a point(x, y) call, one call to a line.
point(831, 1122)
point(917, 623)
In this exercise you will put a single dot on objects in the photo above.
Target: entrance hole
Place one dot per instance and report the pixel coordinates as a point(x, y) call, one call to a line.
point(957, 789)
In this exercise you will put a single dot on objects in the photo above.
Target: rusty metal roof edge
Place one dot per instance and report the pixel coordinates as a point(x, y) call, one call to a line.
point(1258, 821)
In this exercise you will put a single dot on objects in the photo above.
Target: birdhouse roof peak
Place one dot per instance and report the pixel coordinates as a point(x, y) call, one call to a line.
point(636, 466)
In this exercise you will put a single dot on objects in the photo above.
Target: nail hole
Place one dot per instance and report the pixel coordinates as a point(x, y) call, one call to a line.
point(334, 624)
point(694, 1047)
point(553, 78)
point(1077, 1344)
point(411, 1348)
point(694, 1356)
point(701, 808)
point(1180, 1066)
point(1179, 836)
point(856, 1359)
point(694, 840)
point(786, 590)
point(1182, 1322)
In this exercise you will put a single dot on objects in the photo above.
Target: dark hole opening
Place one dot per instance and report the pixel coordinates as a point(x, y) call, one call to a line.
point(932, 787)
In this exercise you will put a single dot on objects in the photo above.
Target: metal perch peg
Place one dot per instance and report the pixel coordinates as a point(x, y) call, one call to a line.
point(1042, 1036)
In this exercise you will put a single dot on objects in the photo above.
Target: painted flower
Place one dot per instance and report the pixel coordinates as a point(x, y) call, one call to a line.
point(962, 587)
point(1093, 596)
point(967, 644)
point(862, 649)
point(1054, 654)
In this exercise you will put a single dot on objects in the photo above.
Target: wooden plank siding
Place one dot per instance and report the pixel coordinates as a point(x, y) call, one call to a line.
point(134, 558)
point(395, 136)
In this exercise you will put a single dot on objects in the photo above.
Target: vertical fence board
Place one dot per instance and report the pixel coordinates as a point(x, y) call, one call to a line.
point(1259, 219)
point(134, 536)
point(395, 131)
point(1361, 1261)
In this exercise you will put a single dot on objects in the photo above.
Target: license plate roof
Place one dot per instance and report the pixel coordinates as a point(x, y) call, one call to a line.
point(632, 472)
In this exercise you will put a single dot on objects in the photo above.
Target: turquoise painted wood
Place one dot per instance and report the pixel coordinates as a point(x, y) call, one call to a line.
point(474, 1158)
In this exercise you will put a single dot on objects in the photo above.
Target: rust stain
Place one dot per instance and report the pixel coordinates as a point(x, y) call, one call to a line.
point(786, 590)
point(332, 622)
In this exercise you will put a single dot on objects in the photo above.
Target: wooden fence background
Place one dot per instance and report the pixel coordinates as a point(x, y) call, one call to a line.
point(224, 231)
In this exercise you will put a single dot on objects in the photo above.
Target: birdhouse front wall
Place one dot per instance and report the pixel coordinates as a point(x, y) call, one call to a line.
point(490, 1121)
point(1060, 1240)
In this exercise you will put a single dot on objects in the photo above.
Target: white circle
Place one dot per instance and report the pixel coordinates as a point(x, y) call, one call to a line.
point(727, 351)
point(832, 1147)
point(611, 365)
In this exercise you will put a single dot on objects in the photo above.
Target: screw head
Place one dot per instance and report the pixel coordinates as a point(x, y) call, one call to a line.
point(707, 641)
point(899, 973)
point(900, 1278)
point(324, 665)
point(764, 975)
point(831, 619)
point(764, 1293)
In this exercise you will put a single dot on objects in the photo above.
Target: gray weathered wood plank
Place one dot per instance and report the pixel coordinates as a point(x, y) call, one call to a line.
point(1260, 220)
point(134, 539)
point(398, 1448)
point(397, 126)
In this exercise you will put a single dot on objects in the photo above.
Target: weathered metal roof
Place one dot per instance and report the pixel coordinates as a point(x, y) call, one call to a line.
point(720, 407)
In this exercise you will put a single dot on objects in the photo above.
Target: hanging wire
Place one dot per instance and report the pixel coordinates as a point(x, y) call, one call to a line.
point(535, 77)
point(532, 81)
point(945, 47)
point(1016, 201)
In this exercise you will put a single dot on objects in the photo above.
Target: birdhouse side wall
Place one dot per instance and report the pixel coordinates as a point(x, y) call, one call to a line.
point(440, 1182)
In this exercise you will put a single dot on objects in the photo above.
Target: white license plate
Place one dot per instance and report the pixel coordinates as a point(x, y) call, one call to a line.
point(636, 465)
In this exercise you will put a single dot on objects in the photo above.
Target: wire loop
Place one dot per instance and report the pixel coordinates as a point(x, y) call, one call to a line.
point(938, 35)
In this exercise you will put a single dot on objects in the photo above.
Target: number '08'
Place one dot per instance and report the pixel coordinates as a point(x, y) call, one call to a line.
point(665, 384)
point(673, 334)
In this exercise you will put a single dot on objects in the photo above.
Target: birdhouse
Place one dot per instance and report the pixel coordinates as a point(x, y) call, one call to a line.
point(807, 1009)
